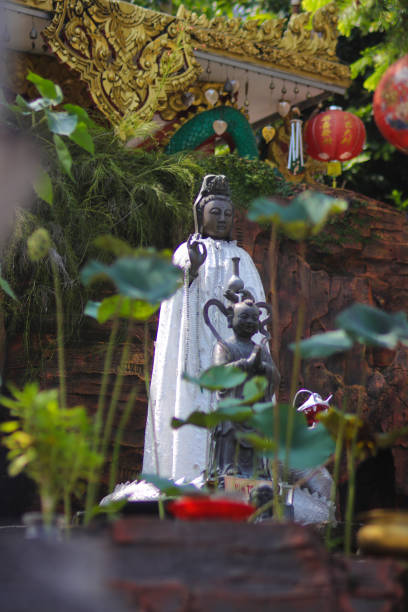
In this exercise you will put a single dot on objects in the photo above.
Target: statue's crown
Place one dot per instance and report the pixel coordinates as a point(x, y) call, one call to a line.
point(213, 186)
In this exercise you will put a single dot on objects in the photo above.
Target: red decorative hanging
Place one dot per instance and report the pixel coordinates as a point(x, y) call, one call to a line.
point(334, 135)
point(390, 104)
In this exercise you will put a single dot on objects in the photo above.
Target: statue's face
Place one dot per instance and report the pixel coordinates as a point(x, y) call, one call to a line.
point(245, 321)
point(217, 219)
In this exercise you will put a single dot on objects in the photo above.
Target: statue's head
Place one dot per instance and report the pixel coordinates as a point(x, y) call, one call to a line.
point(244, 318)
point(213, 209)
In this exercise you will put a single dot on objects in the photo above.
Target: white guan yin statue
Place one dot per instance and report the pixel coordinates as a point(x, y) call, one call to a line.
point(184, 342)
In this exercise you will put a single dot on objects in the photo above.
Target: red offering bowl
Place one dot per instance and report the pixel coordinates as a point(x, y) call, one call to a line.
point(205, 507)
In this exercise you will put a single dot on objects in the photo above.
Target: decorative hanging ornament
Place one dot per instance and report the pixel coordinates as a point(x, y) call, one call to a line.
point(187, 98)
point(268, 133)
point(211, 96)
point(295, 157)
point(390, 105)
point(283, 107)
point(334, 136)
point(235, 86)
point(228, 86)
point(33, 34)
point(220, 126)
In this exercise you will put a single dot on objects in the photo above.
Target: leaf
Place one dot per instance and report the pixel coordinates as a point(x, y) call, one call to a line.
point(9, 426)
point(22, 106)
point(335, 421)
point(17, 465)
point(259, 443)
point(303, 217)
point(91, 309)
point(61, 123)
point(83, 117)
point(64, 155)
point(7, 289)
point(39, 104)
point(219, 377)
point(373, 326)
point(169, 487)
point(148, 277)
point(389, 438)
point(43, 186)
point(209, 420)
point(82, 137)
point(254, 389)
point(310, 447)
point(118, 247)
point(324, 345)
point(46, 88)
point(125, 308)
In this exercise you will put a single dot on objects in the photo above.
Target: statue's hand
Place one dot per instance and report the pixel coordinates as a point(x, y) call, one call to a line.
point(197, 253)
point(255, 360)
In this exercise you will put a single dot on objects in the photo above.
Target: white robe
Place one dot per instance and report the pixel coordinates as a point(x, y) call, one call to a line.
point(184, 343)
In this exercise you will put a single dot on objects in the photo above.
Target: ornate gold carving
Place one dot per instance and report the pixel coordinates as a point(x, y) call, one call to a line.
point(298, 49)
point(44, 5)
point(130, 57)
point(175, 105)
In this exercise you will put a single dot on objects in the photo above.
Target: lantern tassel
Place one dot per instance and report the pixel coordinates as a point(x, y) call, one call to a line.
point(295, 158)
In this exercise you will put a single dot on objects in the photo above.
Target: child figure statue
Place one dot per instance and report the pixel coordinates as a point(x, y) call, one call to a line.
point(233, 456)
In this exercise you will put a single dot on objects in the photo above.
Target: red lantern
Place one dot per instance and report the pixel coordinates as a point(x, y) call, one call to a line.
point(390, 104)
point(334, 135)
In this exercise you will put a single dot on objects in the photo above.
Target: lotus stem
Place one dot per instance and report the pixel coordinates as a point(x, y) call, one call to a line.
point(277, 505)
point(60, 334)
point(336, 472)
point(93, 475)
point(116, 389)
point(118, 438)
point(351, 466)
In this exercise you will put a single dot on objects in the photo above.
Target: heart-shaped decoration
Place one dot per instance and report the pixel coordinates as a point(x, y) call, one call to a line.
point(268, 133)
point(283, 107)
point(211, 96)
point(235, 86)
point(220, 126)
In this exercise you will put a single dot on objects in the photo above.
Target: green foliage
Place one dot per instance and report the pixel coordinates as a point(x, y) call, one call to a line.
point(372, 326)
point(309, 448)
point(51, 444)
point(388, 18)
point(5, 285)
point(305, 216)
point(358, 323)
point(169, 488)
point(208, 420)
point(324, 345)
point(218, 377)
point(149, 277)
point(249, 179)
point(123, 307)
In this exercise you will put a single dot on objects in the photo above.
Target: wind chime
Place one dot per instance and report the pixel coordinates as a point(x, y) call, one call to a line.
point(295, 157)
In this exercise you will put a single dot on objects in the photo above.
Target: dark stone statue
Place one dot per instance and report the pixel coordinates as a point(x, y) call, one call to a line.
point(233, 455)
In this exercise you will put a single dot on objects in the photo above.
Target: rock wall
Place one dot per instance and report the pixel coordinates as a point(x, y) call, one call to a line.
point(362, 257)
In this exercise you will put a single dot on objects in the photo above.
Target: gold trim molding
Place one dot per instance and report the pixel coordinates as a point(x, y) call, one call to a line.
point(131, 58)
point(42, 5)
point(298, 49)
